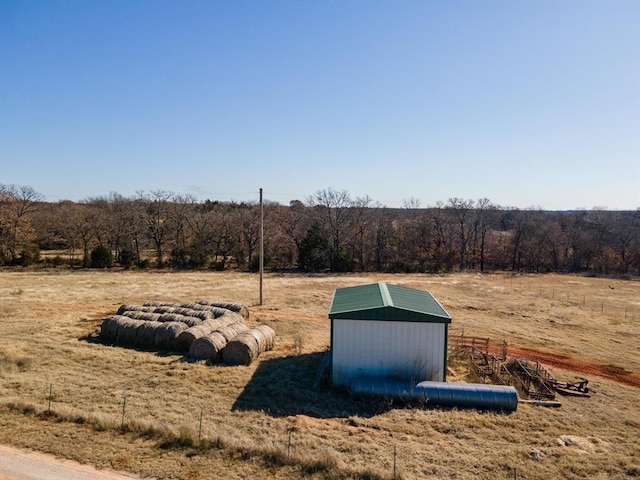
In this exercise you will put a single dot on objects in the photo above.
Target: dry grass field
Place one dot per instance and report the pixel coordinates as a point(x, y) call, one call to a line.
point(193, 421)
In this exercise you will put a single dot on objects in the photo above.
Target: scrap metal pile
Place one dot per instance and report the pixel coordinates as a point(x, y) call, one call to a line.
point(492, 365)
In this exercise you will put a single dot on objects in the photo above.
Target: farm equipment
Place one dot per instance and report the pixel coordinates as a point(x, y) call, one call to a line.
point(490, 363)
point(576, 389)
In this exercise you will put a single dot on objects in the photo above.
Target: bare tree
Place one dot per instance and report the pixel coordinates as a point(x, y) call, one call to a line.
point(65, 222)
point(248, 218)
point(17, 202)
point(627, 240)
point(442, 251)
point(157, 219)
point(361, 220)
point(382, 238)
point(461, 209)
point(294, 223)
point(480, 229)
point(334, 207)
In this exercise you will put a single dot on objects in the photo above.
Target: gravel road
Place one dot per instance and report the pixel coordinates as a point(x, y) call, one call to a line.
point(18, 464)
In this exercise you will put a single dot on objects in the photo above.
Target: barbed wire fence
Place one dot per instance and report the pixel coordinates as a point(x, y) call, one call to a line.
point(616, 310)
point(126, 410)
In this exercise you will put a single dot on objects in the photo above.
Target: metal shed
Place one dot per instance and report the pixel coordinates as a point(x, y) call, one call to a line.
point(385, 330)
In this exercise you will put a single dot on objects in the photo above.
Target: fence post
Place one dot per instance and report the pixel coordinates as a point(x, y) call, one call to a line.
point(124, 407)
point(394, 463)
point(200, 426)
point(49, 398)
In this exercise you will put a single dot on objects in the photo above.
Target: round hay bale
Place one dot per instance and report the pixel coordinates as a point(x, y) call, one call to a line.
point(147, 334)
point(231, 317)
point(186, 338)
point(269, 335)
point(242, 350)
point(191, 321)
point(231, 331)
point(176, 317)
point(160, 304)
point(200, 308)
point(218, 312)
point(132, 314)
point(260, 340)
point(145, 316)
point(128, 331)
point(164, 309)
point(234, 307)
point(187, 312)
point(169, 317)
point(207, 347)
point(166, 335)
point(129, 308)
point(109, 328)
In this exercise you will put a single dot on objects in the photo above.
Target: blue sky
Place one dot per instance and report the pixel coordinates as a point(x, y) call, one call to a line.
point(527, 103)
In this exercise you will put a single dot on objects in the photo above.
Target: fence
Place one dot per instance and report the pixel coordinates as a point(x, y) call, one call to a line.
point(562, 293)
point(202, 430)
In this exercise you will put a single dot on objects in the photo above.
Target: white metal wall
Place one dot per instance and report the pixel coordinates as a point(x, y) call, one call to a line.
point(411, 350)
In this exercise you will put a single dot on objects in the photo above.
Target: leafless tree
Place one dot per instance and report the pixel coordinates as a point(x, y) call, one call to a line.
point(157, 205)
point(334, 207)
point(17, 202)
point(461, 209)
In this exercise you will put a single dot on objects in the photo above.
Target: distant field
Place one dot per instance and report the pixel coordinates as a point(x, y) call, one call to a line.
point(193, 421)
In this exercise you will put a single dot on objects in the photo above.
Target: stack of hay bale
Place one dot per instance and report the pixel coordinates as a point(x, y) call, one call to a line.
point(206, 330)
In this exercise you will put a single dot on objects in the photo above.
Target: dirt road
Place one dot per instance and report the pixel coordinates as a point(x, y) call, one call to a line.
point(582, 366)
point(18, 464)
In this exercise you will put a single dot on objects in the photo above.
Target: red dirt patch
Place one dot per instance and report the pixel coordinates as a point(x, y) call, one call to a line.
point(578, 365)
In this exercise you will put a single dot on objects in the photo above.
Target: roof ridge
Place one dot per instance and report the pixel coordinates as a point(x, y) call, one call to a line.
point(387, 301)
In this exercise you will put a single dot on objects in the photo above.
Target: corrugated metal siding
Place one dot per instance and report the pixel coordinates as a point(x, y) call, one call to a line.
point(356, 298)
point(416, 300)
point(400, 349)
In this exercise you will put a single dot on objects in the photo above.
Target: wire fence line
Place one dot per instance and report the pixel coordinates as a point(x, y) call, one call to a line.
point(128, 411)
point(596, 304)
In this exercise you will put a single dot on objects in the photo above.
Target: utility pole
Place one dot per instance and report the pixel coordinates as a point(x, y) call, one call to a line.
point(261, 243)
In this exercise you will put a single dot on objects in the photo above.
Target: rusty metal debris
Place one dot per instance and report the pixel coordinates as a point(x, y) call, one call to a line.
point(491, 364)
point(576, 389)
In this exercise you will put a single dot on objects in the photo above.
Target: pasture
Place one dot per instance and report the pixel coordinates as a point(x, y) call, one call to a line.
point(159, 415)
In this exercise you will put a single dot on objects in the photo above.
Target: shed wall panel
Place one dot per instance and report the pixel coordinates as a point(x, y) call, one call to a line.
point(410, 350)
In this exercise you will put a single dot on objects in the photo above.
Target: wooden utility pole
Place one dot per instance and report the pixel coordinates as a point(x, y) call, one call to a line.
point(261, 243)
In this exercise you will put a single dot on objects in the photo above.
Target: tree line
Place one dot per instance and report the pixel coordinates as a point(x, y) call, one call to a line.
point(328, 231)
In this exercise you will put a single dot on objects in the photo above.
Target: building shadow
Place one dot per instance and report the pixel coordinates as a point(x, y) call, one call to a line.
point(284, 386)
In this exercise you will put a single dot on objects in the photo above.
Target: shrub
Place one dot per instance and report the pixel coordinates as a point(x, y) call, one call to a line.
point(254, 264)
point(144, 264)
point(314, 255)
point(56, 261)
point(101, 257)
point(179, 258)
point(199, 253)
point(29, 256)
point(127, 257)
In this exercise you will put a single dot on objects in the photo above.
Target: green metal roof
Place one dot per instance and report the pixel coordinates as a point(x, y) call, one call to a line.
point(383, 301)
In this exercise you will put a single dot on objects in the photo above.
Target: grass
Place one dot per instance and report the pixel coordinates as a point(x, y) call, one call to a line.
point(266, 420)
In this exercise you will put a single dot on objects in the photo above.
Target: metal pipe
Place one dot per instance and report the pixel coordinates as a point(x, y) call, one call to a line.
point(463, 395)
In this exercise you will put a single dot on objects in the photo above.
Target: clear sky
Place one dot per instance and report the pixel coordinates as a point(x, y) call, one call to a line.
point(527, 103)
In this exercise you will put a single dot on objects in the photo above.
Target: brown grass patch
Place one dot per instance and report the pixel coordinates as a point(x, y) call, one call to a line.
point(265, 420)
